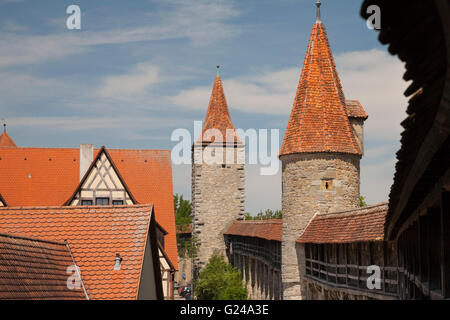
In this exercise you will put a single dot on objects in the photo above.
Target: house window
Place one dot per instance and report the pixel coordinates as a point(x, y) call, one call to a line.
point(102, 201)
point(86, 202)
point(117, 202)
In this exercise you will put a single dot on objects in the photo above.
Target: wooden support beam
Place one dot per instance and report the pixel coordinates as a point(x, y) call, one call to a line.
point(435, 248)
point(383, 265)
point(336, 260)
point(445, 244)
point(358, 260)
point(346, 262)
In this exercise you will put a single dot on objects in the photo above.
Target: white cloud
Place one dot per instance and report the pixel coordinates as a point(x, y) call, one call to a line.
point(375, 79)
point(265, 93)
point(90, 123)
point(131, 85)
point(202, 23)
point(376, 180)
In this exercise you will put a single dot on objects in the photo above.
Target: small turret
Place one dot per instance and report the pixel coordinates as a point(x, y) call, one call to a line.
point(5, 139)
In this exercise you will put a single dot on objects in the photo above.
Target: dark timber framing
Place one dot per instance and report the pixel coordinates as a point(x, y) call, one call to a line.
point(419, 213)
point(93, 189)
point(343, 268)
point(3, 201)
point(259, 261)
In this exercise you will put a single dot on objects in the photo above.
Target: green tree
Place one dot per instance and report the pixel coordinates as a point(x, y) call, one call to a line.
point(362, 202)
point(219, 280)
point(183, 210)
point(265, 215)
point(188, 248)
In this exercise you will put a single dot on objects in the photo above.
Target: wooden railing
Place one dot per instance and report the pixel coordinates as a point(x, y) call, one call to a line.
point(352, 276)
point(263, 252)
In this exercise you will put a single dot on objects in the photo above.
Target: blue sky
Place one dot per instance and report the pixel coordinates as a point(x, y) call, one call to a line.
point(139, 69)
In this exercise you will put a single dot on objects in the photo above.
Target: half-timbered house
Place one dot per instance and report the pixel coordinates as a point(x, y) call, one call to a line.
point(93, 177)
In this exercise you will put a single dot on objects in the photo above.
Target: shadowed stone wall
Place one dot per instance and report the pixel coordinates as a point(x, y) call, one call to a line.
point(312, 183)
point(358, 130)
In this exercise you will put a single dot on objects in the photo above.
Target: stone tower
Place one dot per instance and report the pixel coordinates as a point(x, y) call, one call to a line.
point(218, 178)
point(320, 154)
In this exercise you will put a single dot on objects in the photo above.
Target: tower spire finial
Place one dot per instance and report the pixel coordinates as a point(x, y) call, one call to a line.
point(218, 70)
point(318, 18)
point(4, 125)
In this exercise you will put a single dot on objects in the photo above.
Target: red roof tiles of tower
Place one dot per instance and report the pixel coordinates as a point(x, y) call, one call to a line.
point(6, 141)
point(217, 116)
point(318, 121)
point(355, 109)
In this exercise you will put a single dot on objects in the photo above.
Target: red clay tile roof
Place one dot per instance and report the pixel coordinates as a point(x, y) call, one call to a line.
point(355, 109)
point(95, 235)
point(49, 176)
point(6, 141)
point(365, 224)
point(264, 229)
point(318, 121)
point(35, 269)
point(217, 116)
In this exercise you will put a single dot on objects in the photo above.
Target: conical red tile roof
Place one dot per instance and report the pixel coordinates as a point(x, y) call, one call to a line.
point(318, 121)
point(6, 141)
point(217, 116)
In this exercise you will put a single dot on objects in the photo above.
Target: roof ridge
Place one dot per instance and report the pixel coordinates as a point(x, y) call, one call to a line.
point(143, 205)
point(259, 221)
point(95, 149)
point(357, 211)
point(7, 235)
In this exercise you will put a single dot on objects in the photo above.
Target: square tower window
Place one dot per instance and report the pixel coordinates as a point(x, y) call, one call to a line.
point(86, 202)
point(326, 185)
point(117, 202)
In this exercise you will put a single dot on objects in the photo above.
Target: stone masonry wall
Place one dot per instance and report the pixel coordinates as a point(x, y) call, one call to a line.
point(218, 198)
point(312, 183)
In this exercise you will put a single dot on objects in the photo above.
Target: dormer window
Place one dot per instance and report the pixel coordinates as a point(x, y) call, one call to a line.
point(86, 202)
point(102, 201)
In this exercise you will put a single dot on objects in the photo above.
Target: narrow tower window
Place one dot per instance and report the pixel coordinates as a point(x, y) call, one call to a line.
point(326, 185)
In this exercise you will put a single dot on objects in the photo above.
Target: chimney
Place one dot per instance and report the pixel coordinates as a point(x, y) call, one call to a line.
point(86, 158)
point(118, 263)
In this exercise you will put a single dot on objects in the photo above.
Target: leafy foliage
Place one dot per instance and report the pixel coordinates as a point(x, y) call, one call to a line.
point(265, 215)
point(362, 202)
point(182, 211)
point(188, 248)
point(219, 280)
